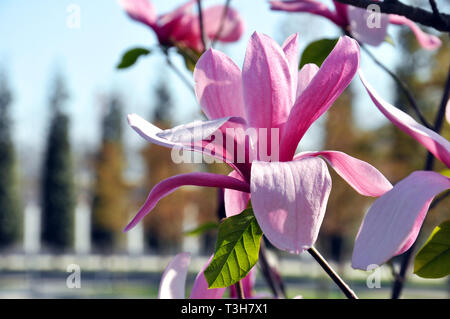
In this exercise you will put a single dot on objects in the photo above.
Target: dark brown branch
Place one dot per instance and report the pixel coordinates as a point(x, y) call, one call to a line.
point(402, 86)
point(348, 292)
point(202, 28)
point(222, 21)
point(429, 164)
point(415, 14)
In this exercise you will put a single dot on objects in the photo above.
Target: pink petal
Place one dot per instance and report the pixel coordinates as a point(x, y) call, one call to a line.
point(232, 27)
point(426, 41)
point(140, 10)
point(291, 50)
point(208, 137)
point(359, 27)
point(289, 201)
point(218, 85)
point(310, 6)
point(432, 141)
point(235, 201)
point(333, 77)
point(170, 184)
point(267, 81)
point(393, 222)
point(173, 280)
point(305, 75)
point(362, 176)
point(200, 288)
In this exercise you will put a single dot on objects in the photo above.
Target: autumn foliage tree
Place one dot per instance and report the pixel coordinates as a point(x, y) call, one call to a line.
point(109, 212)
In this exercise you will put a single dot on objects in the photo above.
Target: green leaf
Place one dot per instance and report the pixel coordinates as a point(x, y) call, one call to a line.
point(202, 228)
point(433, 259)
point(237, 250)
point(316, 52)
point(446, 172)
point(131, 56)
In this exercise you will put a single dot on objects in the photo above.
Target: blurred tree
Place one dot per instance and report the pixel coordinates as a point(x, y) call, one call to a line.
point(10, 215)
point(164, 227)
point(57, 191)
point(109, 214)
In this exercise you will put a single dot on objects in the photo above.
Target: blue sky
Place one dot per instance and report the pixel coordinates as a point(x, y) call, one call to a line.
point(36, 42)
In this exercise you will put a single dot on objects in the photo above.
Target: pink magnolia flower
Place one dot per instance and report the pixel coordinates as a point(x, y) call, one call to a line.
point(355, 21)
point(288, 196)
point(392, 224)
point(181, 26)
point(173, 282)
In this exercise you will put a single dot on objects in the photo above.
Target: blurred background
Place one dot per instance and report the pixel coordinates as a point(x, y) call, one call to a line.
point(72, 173)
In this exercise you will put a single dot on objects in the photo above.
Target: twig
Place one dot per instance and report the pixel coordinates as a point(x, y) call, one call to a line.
point(179, 73)
point(202, 27)
point(348, 292)
point(222, 22)
point(415, 14)
point(402, 86)
point(239, 290)
point(269, 275)
point(429, 164)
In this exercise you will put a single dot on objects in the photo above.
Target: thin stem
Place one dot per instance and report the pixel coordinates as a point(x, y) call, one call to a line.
point(222, 22)
point(399, 282)
point(275, 285)
point(348, 292)
point(202, 27)
point(239, 290)
point(402, 86)
point(179, 73)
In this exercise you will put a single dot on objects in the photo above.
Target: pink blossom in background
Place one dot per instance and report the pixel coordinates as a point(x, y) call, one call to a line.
point(354, 20)
point(182, 27)
point(392, 224)
point(288, 196)
point(173, 282)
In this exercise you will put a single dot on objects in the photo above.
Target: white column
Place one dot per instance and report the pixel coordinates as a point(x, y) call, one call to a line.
point(135, 240)
point(82, 228)
point(190, 221)
point(32, 228)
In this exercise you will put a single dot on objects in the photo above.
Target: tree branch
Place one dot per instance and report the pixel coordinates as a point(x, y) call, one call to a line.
point(415, 14)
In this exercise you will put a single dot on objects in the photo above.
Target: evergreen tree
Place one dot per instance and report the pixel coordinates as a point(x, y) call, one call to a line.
point(57, 191)
point(10, 217)
point(109, 214)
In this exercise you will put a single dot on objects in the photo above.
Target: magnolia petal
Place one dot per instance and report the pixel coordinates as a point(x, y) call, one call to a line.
point(367, 26)
point(229, 29)
point(140, 10)
point(235, 201)
point(432, 141)
point(170, 184)
point(218, 85)
point(362, 176)
point(267, 82)
point(291, 50)
point(207, 137)
point(289, 201)
point(173, 280)
point(200, 288)
point(305, 75)
point(393, 222)
point(333, 77)
point(426, 41)
point(310, 6)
